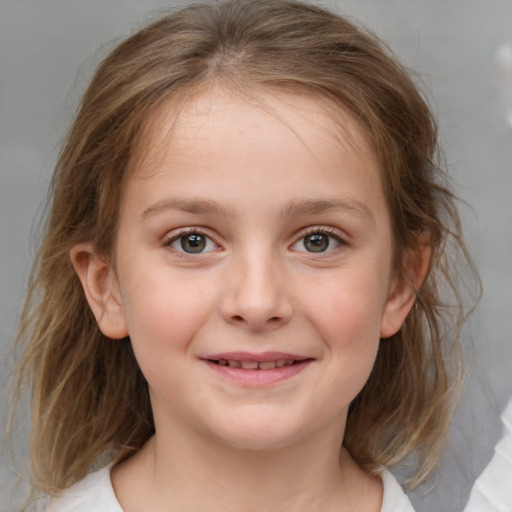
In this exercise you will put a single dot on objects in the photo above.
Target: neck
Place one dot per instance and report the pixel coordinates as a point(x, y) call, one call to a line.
point(190, 474)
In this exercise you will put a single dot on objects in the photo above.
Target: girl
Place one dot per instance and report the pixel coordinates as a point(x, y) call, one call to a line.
point(236, 305)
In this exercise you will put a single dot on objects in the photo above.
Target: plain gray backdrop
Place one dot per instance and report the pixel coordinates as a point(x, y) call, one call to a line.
point(48, 49)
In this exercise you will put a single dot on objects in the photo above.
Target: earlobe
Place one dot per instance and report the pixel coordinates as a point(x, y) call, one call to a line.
point(404, 289)
point(101, 289)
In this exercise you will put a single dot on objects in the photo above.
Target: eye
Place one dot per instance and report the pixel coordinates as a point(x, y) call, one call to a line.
point(193, 242)
point(318, 241)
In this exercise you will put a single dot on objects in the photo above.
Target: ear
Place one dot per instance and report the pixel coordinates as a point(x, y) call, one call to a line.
point(101, 289)
point(404, 288)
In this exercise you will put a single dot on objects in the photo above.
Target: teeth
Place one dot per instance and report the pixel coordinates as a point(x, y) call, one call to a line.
point(255, 365)
point(249, 365)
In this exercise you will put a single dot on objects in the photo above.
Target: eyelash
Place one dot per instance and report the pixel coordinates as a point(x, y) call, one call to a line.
point(183, 233)
point(321, 230)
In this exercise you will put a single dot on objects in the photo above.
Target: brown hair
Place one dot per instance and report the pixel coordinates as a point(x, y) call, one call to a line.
point(89, 397)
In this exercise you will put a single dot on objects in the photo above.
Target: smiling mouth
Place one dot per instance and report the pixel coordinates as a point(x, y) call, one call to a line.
point(256, 365)
point(257, 370)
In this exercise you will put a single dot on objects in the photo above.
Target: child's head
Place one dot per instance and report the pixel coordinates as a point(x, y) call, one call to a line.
point(291, 63)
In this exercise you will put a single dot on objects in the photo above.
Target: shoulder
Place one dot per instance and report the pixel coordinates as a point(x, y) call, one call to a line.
point(394, 499)
point(94, 492)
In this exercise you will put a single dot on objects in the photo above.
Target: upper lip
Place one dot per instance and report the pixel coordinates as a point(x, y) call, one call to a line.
point(248, 356)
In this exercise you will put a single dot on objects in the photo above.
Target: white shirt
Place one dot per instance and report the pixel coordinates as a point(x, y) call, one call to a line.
point(492, 491)
point(95, 494)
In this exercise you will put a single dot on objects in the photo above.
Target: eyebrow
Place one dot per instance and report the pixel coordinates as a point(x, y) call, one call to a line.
point(197, 206)
point(316, 206)
point(291, 209)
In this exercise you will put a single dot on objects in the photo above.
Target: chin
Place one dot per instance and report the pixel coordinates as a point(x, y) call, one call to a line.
point(258, 436)
point(258, 445)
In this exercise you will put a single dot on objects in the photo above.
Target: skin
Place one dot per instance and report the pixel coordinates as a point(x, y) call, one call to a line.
point(270, 174)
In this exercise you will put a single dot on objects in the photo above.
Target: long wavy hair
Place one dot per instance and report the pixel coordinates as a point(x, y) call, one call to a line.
point(89, 399)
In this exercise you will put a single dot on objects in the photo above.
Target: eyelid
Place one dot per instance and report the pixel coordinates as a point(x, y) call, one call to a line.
point(176, 234)
point(327, 230)
point(330, 231)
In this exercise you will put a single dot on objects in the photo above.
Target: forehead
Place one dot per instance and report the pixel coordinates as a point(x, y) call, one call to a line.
point(218, 118)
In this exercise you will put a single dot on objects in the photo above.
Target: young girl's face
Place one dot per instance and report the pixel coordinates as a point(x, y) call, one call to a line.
point(253, 269)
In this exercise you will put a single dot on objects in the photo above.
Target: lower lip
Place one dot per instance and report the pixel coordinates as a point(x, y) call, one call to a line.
point(259, 377)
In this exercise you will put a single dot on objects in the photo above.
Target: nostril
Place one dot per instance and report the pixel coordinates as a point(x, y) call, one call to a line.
point(239, 318)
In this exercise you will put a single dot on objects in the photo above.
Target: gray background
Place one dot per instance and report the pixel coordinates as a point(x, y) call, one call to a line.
point(48, 49)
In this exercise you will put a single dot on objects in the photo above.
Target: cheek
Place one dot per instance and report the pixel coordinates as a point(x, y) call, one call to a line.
point(349, 310)
point(348, 319)
point(163, 314)
point(163, 319)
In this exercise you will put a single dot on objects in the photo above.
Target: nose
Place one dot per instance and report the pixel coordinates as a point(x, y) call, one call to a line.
point(256, 294)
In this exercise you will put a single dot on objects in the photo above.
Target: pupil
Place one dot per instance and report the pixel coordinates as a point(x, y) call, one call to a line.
point(317, 242)
point(193, 243)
